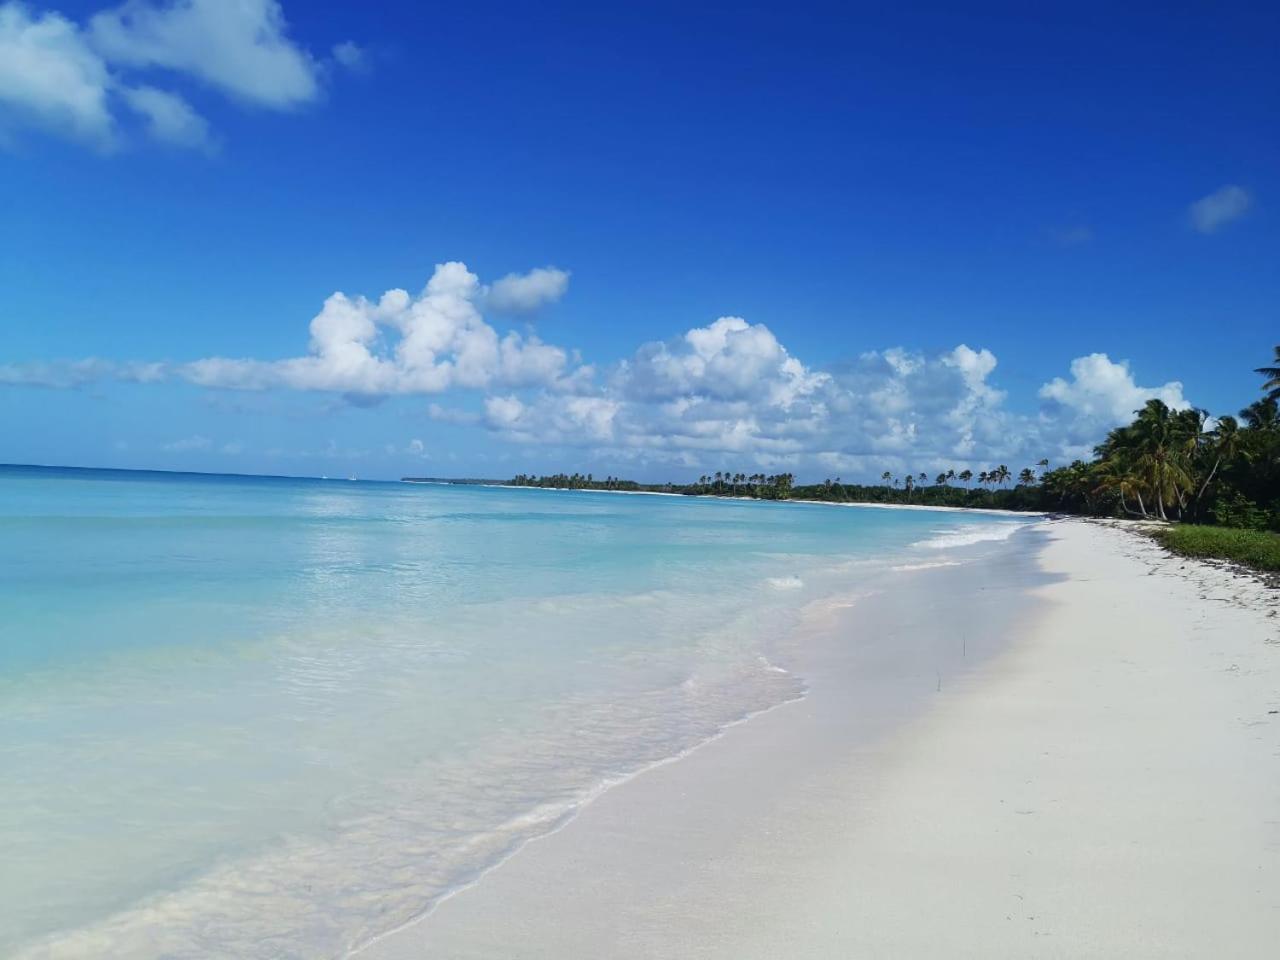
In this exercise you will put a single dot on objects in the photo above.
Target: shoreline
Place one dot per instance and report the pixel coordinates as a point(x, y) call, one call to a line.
point(829, 828)
point(823, 609)
point(1034, 514)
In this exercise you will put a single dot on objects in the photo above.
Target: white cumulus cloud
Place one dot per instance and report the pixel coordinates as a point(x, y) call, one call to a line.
point(727, 360)
point(239, 47)
point(399, 344)
point(1101, 394)
point(725, 394)
point(49, 76)
point(75, 80)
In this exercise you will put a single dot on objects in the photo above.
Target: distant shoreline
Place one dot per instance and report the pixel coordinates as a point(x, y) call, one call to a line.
point(715, 496)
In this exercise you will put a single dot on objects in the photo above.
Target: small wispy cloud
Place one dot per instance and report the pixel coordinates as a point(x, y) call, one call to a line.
point(524, 292)
point(63, 374)
point(452, 415)
point(170, 119)
point(188, 444)
point(1076, 235)
point(414, 448)
point(352, 56)
point(1227, 203)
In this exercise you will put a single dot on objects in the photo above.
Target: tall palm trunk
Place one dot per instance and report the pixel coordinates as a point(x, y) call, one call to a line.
point(1205, 486)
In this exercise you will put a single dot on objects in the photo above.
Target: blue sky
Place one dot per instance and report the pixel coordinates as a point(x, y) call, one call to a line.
point(935, 236)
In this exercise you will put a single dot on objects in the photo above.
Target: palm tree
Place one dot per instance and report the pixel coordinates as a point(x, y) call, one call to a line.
point(886, 477)
point(1027, 477)
point(1158, 437)
point(964, 476)
point(909, 483)
point(1272, 373)
point(1264, 415)
point(1000, 475)
point(1115, 474)
point(1225, 444)
point(1043, 465)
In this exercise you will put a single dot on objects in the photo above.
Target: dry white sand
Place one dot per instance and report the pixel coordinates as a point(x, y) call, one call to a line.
point(1096, 775)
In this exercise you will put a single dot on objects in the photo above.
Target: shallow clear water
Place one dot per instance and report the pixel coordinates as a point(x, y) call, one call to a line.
point(259, 717)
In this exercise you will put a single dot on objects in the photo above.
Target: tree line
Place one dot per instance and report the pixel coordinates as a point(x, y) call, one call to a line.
point(1166, 465)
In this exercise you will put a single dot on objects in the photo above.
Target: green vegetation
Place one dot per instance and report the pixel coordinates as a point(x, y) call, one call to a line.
point(578, 481)
point(1179, 465)
point(1254, 548)
point(1167, 464)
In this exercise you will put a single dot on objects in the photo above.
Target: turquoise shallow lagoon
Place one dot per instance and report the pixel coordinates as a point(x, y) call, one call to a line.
point(263, 717)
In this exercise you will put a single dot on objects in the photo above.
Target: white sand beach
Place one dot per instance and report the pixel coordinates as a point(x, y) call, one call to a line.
point(1074, 752)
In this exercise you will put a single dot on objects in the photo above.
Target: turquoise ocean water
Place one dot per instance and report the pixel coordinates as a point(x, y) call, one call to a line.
point(263, 717)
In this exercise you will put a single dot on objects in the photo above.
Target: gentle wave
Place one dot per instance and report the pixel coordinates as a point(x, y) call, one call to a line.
point(926, 565)
point(947, 539)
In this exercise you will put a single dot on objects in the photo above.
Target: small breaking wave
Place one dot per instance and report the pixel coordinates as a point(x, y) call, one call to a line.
point(926, 565)
point(946, 539)
point(773, 667)
point(786, 583)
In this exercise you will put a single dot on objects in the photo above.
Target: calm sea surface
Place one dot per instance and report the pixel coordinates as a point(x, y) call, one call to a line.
point(260, 717)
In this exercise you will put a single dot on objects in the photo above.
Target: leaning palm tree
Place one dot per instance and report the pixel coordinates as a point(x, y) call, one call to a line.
point(1116, 474)
point(1224, 445)
point(1272, 373)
